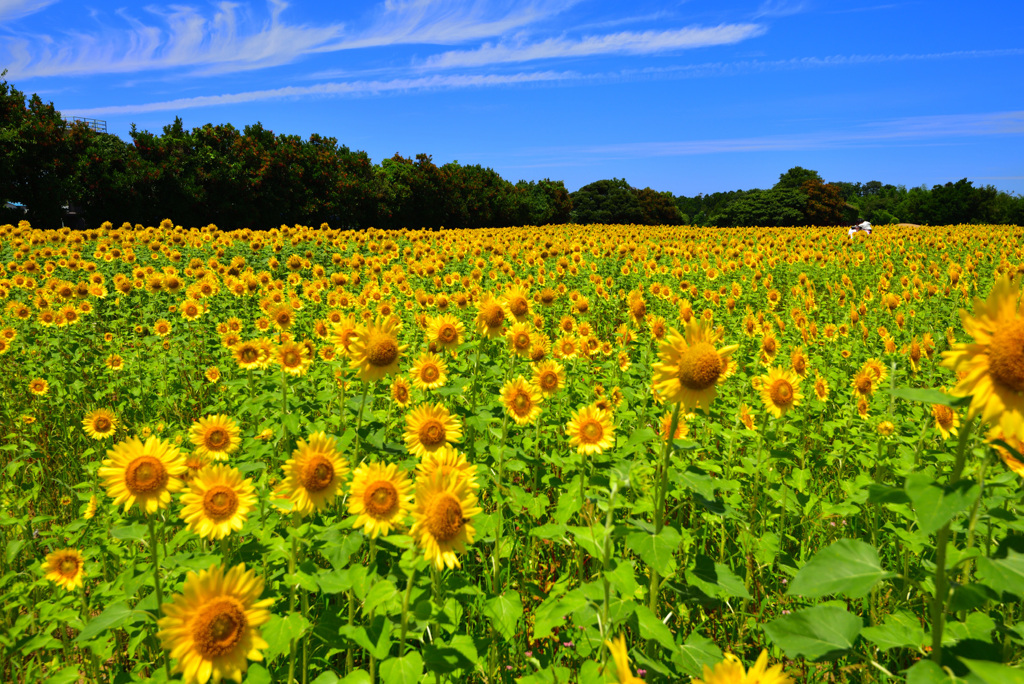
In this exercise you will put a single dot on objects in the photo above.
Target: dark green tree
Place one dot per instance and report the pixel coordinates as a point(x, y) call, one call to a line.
point(606, 201)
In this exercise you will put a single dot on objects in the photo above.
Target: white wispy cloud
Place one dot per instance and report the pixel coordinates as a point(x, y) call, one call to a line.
point(908, 129)
point(336, 89)
point(624, 42)
point(779, 8)
point(230, 38)
point(16, 9)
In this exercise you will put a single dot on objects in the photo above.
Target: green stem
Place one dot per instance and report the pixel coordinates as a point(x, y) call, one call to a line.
point(405, 612)
point(292, 561)
point(359, 425)
point(660, 493)
point(156, 579)
point(938, 607)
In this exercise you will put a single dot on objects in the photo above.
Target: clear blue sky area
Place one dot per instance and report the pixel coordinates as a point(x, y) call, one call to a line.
point(691, 97)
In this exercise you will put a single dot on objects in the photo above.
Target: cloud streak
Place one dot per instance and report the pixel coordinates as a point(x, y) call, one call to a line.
point(909, 129)
point(625, 42)
point(336, 89)
point(16, 9)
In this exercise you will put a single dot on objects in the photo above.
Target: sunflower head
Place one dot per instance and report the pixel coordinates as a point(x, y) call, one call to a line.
point(780, 391)
point(100, 424)
point(690, 366)
point(429, 428)
point(314, 474)
point(375, 350)
point(429, 372)
point(381, 496)
point(215, 436)
point(521, 400)
point(590, 430)
point(65, 568)
point(140, 472)
point(217, 501)
point(443, 518)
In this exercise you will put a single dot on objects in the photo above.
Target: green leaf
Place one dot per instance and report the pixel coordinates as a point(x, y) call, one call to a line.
point(113, 617)
point(404, 670)
point(257, 674)
point(653, 628)
point(66, 676)
point(847, 567)
point(929, 396)
point(697, 652)
point(279, 631)
point(902, 629)
point(818, 633)
point(934, 506)
point(355, 677)
point(1003, 574)
point(715, 579)
point(927, 672)
point(994, 673)
point(504, 612)
point(656, 550)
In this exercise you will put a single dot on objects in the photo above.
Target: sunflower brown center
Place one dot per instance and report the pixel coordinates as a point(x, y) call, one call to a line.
point(700, 367)
point(521, 341)
point(1006, 356)
point(291, 359)
point(518, 306)
point(101, 424)
point(382, 352)
point(493, 316)
point(521, 403)
point(863, 384)
point(430, 373)
point(447, 333)
point(591, 432)
point(68, 566)
point(220, 502)
point(548, 381)
point(445, 519)
point(943, 416)
point(249, 355)
point(219, 627)
point(317, 474)
point(769, 345)
point(144, 475)
point(781, 393)
point(432, 433)
point(381, 499)
point(217, 439)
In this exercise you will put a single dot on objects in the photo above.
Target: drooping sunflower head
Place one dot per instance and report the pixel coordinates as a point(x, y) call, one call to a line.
point(314, 474)
point(443, 519)
point(140, 472)
point(429, 428)
point(217, 501)
point(375, 350)
point(821, 388)
point(215, 436)
point(212, 627)
point(590, 430)
point(381, 496)
point(100, 424)
point(780, 391)
point(946, 420)
point(521, 400)
point(690, 367)
point(65, 568)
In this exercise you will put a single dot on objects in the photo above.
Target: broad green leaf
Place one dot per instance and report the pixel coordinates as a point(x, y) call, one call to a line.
point(847, 567)
point(697, 652)
point(818, 633)
point(902, 629)
point(1003, 574)
point(928, 396)
point(994, 673)
point(653, 628)
point(355, 677)
point(715, 579)
point(504, 612)
point(927, 672)
point(279, 632)
point(113, 617)
point(404, 670)
point(656, 550)
point(934, 506)
point(69, 675)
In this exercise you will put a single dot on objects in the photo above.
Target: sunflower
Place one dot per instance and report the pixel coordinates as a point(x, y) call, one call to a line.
point(211, 628)
point(375, 350)
point(143, 472)
point(821, 388)
point(215, 436)
point(314, 474)
point(381, 496)
point(516, 303)
point(100, 424)
point(429, 428)
point(490, 318)
point(162, 327)
point(65, 568)
point(247, 355)
point(1011, 460)
point(992, 366)
point(520, 339)
point(590, 430)
point(445, 331)
point(746, 417)
point(876, 369)
point(449, 462)
point(114, 362)
point(798, 361)
point(682, 429)
point(400, 392)
point(429, 372)
point(863, 383)
point(730, 671)
point(293, 357)
point(620, 656)
point(689, 366)
point(521, 400)
point(212, 374)
point(780, 391)
point(566, 347)
point(442, 519)
point(342, 333)
point(946, 420)
point(38, 387)
point(217, 501)
point(549, 377)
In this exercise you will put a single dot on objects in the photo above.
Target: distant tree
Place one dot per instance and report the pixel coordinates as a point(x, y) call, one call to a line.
point(795, 178)
point(606, 201)
point(775, 207)
point(411, 193)
point(658, 208)
point(825, 204)
point(477, 197)
point(543, 202)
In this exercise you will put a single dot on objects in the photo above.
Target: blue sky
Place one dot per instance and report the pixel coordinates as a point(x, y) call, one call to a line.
point(691, 97)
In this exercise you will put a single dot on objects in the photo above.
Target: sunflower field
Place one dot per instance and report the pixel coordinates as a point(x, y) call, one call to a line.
point(538, 455)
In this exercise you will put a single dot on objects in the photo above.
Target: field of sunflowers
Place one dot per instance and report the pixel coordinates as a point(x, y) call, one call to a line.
point(558, 454)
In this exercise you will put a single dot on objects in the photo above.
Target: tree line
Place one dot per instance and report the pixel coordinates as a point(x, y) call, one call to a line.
point(56, 172)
